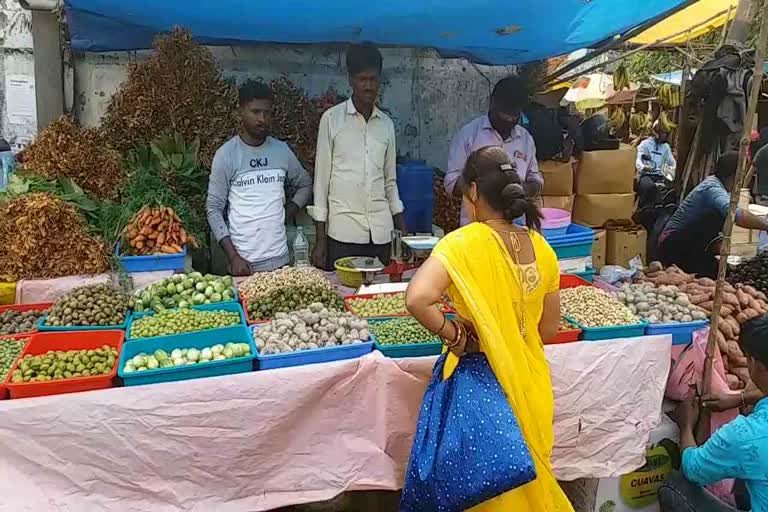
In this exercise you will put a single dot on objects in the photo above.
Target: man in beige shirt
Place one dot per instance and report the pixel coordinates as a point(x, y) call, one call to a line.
point(356, 204)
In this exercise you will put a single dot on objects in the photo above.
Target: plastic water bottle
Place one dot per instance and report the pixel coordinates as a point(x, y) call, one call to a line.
point(300, 249)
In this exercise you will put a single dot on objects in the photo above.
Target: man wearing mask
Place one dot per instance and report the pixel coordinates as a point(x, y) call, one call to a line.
point(497, 128)
point(654, 154)
point(249, 178)
point(357, 204)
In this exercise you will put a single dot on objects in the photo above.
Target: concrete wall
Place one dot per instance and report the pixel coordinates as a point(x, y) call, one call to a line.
point(16, 59)
point(428, 98)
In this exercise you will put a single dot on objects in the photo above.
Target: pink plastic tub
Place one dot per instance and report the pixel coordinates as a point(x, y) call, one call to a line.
point(555, 221)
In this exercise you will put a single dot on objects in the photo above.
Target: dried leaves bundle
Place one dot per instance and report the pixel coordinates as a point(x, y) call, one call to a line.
point(178, 89)
point(44, 237)
point(65, 150)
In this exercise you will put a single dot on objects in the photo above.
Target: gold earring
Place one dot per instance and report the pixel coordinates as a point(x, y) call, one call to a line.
point(474, 213)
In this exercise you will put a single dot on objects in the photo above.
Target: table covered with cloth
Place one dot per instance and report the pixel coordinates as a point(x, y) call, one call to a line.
point(267, 439)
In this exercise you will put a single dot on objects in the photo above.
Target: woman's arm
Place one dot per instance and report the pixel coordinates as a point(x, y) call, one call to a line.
point(425, 291)
point(550, 318)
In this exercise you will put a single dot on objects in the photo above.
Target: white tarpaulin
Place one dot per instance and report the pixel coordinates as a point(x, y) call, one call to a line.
point(263, 440)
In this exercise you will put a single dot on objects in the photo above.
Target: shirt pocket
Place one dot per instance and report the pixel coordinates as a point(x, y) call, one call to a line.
point(376, 152)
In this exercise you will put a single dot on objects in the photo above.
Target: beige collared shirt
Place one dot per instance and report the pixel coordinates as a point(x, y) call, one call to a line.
point(355, 176)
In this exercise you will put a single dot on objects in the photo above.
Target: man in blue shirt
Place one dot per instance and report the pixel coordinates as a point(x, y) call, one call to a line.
point(654, 154)
point(690, 238)
point(737, 450)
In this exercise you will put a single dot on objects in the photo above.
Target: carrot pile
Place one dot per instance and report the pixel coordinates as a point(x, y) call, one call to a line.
point(156, 230)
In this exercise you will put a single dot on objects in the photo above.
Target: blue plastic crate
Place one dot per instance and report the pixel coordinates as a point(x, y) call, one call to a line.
point(607, 333)
point(573, 233)
point(576, 243)
point(314, 356)
point(199, 340)
point(682, 333)
point(409, 349)
point(550, 233)
point(120, 327)
point(218, 306)
point(153, 262)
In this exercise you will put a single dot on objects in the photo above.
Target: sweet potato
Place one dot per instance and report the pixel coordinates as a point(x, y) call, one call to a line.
point(730, 298)
point(734, 326)
point(699, 298)
point(742, 317)
point(751, 313)
point(726, 310)
point(707, 306)
point(725, 328)
point(738, 361)
point(753, 303)
point(741, 372)
point(705, 281)
point(743, 298)
point(722, 344)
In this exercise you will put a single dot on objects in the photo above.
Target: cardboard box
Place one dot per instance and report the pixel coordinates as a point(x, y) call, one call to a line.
point(594, 210)
point(637, 491)
point(606, 172)
point(599, 247)
point(560, 202)
point(558, 178)
point(623, 244)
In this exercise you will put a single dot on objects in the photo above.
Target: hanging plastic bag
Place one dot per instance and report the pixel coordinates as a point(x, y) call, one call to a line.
point(468, 446)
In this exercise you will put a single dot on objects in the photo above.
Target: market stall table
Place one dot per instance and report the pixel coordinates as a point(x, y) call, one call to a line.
point(262, 440)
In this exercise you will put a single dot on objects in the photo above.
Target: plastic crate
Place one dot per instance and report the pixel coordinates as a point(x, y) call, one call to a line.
point(314, 356)
point(349, 298)
point(576, 243)
point(408, 349)
point(3, 389)
point(572, 281)
point(682, 333)
point(44, 306)
point(50, 328)
point(218, 306)
point(42, 342)
point(153, 262)
point(248, 319)
point(588, 275)
point(569, 336)
point(199, 340)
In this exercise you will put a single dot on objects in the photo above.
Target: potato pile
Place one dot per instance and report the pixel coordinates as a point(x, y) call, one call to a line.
point(740, 304)
point(287, 289)
point(593, 307)
point(95, 304)
point(154, 231)
point(311, 328)
point(665, 304)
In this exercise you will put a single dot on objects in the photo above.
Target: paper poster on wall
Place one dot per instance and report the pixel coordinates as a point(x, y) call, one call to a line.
point(20, 99)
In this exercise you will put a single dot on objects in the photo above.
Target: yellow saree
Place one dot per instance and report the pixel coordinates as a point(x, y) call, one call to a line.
point(485, 291)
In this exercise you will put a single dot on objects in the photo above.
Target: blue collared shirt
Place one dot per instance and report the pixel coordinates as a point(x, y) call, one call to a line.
point(738, 450)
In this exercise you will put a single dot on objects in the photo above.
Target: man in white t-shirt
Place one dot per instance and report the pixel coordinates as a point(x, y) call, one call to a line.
point(250, 175)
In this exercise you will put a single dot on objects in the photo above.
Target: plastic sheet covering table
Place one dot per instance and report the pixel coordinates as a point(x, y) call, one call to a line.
point(262, 440)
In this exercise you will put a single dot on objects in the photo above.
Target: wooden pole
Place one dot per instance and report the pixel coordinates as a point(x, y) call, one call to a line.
point(741, 21)
point(725, 247)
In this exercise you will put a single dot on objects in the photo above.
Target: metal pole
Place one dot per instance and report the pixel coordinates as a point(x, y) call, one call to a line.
point(725, 247)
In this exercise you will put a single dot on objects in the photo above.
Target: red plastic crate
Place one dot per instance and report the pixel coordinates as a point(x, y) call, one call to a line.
point(572, 281)
point(3, 389)
point(444, 309)
point(565, 337)
point(248, 320)
point(42, 342)
point(43, 306)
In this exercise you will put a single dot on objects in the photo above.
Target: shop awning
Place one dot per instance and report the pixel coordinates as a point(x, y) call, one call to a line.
point(691, 16)
point(486, 31)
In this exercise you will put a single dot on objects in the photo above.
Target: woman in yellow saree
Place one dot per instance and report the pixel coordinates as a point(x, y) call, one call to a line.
point(504, 283)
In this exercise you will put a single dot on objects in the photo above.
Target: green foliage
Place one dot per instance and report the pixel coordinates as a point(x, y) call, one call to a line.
point(66, 189)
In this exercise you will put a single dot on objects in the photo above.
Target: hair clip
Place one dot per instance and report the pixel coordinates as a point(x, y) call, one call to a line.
point(506, 167)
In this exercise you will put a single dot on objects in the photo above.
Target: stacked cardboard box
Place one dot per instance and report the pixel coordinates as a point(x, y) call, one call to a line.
point(558, 185)
point(604, 186)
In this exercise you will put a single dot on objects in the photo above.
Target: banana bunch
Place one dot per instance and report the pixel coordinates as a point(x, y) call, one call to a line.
point(637, 123)
point(617, 117)
point(620, 78)
point(668, 96)
point(666, 123)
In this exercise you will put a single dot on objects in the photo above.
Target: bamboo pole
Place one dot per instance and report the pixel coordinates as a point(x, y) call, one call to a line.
point(725, 247)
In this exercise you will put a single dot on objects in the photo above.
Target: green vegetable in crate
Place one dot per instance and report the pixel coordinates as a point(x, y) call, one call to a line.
point(185, 356)
point(59, 364)
point(378, 305)
point(9, 351)
point(96, 304)
point(287, 289)
point(184, 290)
point(181, 320)
point(402, 331)
point(311, 328)
point(17, 322)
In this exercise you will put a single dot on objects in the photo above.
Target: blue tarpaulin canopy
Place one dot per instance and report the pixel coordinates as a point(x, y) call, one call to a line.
point(485, 31)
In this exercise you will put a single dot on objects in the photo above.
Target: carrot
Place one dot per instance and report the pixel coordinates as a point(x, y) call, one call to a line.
point(167, 249)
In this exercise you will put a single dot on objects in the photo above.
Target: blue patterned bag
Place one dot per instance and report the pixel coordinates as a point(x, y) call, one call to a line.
point(468, 446)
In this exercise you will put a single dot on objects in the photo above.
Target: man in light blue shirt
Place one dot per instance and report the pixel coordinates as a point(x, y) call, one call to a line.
point(654, 154)
point(737, 450)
